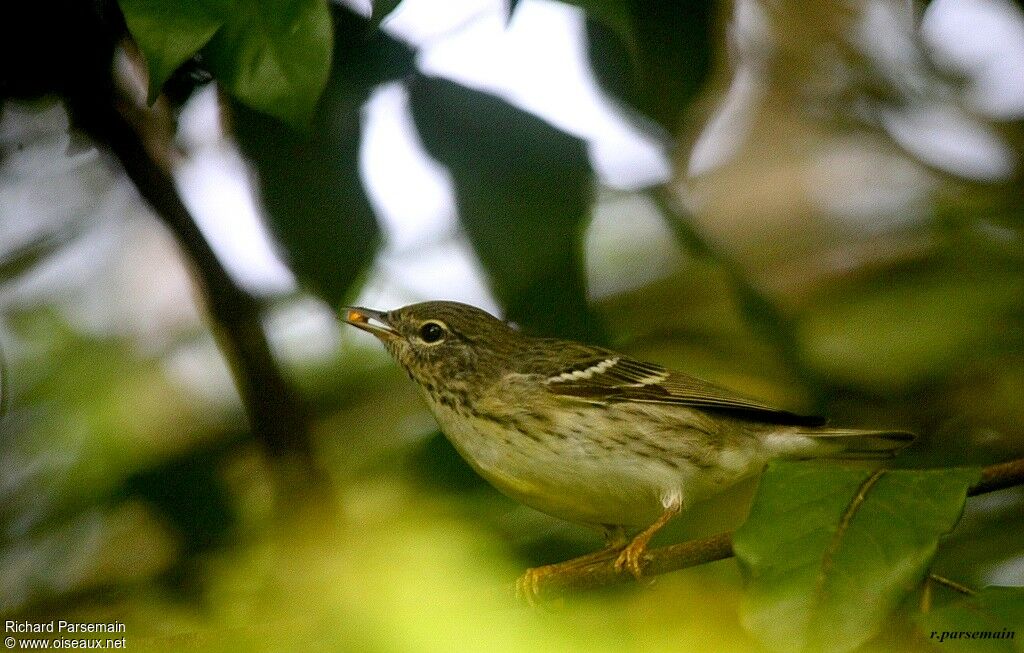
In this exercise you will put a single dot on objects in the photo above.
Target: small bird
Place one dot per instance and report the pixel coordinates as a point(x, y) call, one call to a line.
point(588, 434)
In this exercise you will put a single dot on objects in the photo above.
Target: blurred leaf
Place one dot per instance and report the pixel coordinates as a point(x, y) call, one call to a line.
point(758, 311)
point(669, 59)
point(93, 433)
point(614, 15)
point(524, 191)
point(829, 551)
point(275, 56)
point(5, 401)
point(994, 610)
point(310, 184)
point(861, 334)
point(436, 465)
point(189, 493)
point(25, 257)
point(169, 33)
point(512, 5)
point(381, 10)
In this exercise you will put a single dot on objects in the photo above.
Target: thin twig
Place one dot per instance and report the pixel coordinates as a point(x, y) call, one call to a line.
point(951, 584)
point(718, 547)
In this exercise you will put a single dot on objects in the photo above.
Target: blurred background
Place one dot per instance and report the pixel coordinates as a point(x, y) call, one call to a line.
point(815, 203)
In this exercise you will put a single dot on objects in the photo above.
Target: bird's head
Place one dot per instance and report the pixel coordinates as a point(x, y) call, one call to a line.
point(444, 343)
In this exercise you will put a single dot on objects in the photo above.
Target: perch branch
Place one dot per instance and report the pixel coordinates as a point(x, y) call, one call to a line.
point(718, 547)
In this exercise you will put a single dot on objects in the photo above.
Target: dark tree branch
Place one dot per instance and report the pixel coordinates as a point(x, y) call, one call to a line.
point(999, 477)
point(718, 547)
point(275, 414)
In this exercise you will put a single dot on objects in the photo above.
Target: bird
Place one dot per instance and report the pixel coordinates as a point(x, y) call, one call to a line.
point(591, 435)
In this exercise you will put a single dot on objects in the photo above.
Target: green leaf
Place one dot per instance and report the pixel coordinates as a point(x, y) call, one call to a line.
point(27, 256)
point(860, 333)
point(614, 15)
point(990, 622)
point(524, 191)
point(381, 10)
point(310, 185)
point(275, 56)
point(830, 550)
point(668, 63)
point(169, 33)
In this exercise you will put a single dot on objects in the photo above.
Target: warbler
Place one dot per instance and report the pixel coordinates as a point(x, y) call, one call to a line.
point(588, 434)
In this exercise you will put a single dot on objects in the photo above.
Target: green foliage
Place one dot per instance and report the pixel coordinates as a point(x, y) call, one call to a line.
point(615, 16)
point(28, 255)
point(950, 314)
point(170, 33)
point(960, 626)
point(655, 56)
point(381, 10)
point(272, 55)
point(830, 551)
point(310, 184)
point(524, 191)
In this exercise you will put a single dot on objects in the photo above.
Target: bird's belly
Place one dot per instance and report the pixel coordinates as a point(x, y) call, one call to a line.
point(581, 472)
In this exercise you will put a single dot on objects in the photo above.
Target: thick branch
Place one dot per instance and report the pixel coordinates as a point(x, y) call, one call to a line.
point(275, 414)
point(718, 547)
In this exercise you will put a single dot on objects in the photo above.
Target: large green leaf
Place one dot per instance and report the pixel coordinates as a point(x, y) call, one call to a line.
point(275, 56)
point(990, 622)
point(310, 184)
point(615, 15)
point(664, 65)
point(524, 191)
point(170, 33)
point(830, 550)
point(381, 9)
point(272, 55)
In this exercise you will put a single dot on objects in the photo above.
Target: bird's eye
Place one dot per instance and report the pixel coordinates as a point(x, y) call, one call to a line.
point(431, 332)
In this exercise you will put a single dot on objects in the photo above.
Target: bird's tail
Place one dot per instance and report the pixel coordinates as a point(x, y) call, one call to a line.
point(828, 442)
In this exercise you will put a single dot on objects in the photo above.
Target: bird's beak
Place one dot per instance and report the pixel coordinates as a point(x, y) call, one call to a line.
point(361, 319)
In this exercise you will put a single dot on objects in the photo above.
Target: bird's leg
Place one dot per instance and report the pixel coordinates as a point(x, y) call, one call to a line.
point(528, 585)
point(632, 556)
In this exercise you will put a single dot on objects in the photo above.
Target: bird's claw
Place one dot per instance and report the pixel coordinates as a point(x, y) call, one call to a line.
point(632, 558)
point(528, 585)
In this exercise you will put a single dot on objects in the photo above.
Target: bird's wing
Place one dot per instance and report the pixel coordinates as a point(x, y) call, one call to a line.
point(615, 378)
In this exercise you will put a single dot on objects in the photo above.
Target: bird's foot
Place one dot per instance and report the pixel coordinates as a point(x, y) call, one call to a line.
point(633, 556)
point(528, 585)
